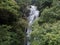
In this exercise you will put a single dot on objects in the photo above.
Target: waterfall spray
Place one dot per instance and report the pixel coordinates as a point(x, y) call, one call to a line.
point(33, 15)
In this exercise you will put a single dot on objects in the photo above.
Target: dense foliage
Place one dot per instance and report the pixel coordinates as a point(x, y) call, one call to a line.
point(46, 30)
point(12, 25)
point(13, 22)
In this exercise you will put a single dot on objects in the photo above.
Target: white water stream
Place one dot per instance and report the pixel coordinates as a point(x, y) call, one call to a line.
point(33, 15)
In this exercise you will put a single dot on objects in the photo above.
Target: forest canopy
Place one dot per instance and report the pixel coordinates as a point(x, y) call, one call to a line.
point(13, 22)
point(46, 30)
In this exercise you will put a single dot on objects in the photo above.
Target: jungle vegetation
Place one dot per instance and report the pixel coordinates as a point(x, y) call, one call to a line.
point(13, 21)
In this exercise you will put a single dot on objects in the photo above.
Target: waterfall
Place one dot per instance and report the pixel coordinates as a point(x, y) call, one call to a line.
point(33, 15)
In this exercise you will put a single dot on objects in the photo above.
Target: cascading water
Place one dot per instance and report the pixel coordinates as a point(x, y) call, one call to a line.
point(34, 13)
